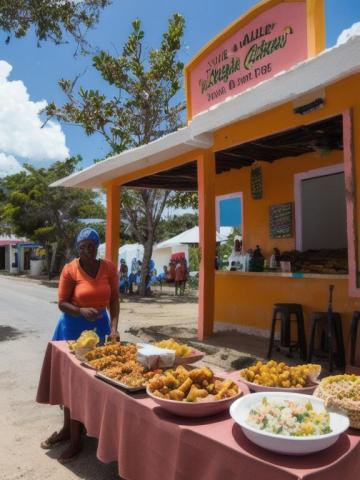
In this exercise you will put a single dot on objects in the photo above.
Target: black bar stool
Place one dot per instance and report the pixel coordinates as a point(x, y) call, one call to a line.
point(353, 336)
point(283, 312)
point(329, 325)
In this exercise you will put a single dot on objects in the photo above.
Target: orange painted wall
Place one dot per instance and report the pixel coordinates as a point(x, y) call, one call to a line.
point(247, 300)
point(278, 187)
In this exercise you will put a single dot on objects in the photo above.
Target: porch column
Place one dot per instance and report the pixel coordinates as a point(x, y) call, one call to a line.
point(112, 232)
point(207, 243)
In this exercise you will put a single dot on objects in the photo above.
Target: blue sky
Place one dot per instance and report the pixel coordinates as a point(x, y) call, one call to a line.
point(40, 68)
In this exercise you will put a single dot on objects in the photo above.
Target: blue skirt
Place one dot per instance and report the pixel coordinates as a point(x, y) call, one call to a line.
point(70, 327)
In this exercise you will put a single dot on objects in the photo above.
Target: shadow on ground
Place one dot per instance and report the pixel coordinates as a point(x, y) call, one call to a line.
point(8, 333)
point(86, 465)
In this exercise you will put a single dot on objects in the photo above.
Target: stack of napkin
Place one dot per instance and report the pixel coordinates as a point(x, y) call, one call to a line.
point(154, 357)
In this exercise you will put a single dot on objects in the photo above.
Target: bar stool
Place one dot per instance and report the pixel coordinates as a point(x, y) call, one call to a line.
point(330, 327)
point(283, 312)
point(353, 336)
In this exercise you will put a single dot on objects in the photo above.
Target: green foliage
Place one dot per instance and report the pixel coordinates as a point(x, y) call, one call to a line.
point(184, 200)
point(45, 214)
point(194, 259)
point(50, 18)
point(140, 108)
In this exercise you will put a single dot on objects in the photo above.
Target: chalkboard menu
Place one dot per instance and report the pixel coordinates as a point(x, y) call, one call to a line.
point(256, 183)
point(281, 220)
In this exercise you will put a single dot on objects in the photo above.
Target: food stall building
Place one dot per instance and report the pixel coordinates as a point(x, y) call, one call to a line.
point(273, 120)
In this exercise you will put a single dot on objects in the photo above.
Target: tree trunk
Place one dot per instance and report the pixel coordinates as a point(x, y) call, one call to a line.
point(145, 274)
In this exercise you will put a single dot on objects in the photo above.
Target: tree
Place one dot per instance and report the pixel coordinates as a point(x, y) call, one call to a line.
point(44, 214)
point(141, 109)
point(50, 18)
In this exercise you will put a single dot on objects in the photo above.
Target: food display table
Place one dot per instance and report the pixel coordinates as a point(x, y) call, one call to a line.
point(150, 444)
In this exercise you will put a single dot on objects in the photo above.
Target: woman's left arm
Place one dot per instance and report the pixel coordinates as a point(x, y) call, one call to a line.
point(114, 304)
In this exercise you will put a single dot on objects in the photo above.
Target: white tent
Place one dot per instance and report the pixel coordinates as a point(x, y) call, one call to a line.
point(162, 251)
point(180, 243)
point(126, 252)
point(191, 236)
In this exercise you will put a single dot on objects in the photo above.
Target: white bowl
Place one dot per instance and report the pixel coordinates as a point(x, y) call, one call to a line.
point(287, 445)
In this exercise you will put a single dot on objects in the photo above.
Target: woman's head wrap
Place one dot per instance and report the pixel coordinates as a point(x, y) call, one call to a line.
point(88, 234)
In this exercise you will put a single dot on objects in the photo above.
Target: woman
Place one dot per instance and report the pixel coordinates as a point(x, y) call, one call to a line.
point(87, 287)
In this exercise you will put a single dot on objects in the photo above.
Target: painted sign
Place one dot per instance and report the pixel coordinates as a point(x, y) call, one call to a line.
point(256, 183)
point(281, 220)
point(272, 42)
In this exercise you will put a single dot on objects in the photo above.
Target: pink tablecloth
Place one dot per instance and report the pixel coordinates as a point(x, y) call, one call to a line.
point(150, 444)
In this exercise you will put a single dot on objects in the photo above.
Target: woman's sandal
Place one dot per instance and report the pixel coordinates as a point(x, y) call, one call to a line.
point(52, 440)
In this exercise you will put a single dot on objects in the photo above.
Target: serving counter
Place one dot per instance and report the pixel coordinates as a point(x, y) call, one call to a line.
point(244, 300)
point(150, 444)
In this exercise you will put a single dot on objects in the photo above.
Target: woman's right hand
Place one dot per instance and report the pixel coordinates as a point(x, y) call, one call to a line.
point(90, 313)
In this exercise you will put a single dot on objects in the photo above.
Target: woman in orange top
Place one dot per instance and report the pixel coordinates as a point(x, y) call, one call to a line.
point(87, 288)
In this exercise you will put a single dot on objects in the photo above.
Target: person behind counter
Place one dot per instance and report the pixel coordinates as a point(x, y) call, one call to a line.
point(87, 288)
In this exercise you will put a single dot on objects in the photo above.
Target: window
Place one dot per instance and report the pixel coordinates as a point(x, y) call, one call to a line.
point(321, 209)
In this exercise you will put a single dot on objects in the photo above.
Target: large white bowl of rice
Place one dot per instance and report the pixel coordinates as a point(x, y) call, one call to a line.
point(288, 423)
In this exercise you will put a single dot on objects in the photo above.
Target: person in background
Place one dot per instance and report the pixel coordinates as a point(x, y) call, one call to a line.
point(132, 276)
point(180, 276)
point(171, 272)
point(124, 279)
point(87, 288)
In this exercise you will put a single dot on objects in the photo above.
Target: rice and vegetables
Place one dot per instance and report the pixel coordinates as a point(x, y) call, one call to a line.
point(286, 417)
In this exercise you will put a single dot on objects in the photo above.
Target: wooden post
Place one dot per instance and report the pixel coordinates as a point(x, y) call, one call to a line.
point(207, 243)
point(112, 234)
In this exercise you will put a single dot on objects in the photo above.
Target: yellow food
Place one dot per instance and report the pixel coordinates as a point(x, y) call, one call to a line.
point(88, 339)
point(273, 374)
point(191, 385)
point(181, 350)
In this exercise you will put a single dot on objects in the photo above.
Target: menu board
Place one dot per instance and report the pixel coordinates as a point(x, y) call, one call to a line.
point(281, 220)
point(256, 183)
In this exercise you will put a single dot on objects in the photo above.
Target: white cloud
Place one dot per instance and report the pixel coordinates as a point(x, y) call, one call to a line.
point(9, 165)
point(20, 124)
point(346, 34)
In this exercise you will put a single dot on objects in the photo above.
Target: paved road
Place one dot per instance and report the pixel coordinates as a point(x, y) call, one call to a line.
point(31, 309)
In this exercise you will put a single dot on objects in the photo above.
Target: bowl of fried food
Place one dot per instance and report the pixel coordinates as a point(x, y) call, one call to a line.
point(184, 354)
point(279, 377)
point(193, 392)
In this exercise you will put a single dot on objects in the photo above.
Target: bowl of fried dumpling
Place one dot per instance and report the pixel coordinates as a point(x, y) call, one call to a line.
point(193, 392)
point(279, 377)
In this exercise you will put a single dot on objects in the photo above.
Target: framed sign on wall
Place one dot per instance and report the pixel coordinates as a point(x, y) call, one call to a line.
point(281, 220)
point(256, 181)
